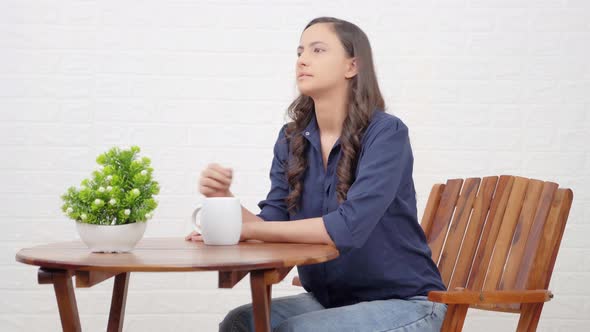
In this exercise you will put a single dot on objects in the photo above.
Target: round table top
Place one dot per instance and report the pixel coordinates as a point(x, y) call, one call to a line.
point(176, 254)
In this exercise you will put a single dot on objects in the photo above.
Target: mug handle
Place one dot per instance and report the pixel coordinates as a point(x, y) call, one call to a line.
point(196, 226)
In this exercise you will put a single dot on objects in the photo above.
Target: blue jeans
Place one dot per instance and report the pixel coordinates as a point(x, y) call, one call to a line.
point(304, 313)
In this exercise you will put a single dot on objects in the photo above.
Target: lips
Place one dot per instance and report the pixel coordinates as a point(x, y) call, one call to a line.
point(300, 75)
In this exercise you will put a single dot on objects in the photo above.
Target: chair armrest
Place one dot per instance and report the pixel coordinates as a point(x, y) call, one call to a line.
point(296, 281)
point(490, 297)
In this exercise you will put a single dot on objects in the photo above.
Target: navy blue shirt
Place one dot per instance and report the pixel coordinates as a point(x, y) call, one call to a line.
point(383, 250)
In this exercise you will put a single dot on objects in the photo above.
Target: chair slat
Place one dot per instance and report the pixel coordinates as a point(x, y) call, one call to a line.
point(536, 233)
point(490, 232)
point(521, 233)
point(440, 225)
point(474, 229)
point(506, 233)
point(552, 234)
point(457, 229)
point(431, 207)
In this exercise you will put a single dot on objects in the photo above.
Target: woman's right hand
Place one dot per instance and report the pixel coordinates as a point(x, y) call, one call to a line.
point(215, 181)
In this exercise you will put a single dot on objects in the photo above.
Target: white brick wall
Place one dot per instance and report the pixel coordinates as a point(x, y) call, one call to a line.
point(486, 87)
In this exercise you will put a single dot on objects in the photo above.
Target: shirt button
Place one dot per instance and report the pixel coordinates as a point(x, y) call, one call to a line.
point(307, 133)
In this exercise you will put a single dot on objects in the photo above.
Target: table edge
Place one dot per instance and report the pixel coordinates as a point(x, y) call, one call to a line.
point(19, 257)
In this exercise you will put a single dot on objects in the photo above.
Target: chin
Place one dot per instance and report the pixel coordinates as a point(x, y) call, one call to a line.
point(306, 90)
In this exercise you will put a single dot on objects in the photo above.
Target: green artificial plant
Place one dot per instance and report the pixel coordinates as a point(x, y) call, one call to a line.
point(120, 192)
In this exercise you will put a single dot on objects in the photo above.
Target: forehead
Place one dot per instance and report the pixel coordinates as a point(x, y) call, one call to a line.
point(319, 32)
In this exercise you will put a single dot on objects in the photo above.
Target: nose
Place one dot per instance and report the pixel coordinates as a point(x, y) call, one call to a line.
point(302, 60)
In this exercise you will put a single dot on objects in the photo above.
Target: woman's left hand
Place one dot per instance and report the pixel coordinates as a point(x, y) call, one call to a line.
point(244, 232)
point(198, 237)
point(194, 236)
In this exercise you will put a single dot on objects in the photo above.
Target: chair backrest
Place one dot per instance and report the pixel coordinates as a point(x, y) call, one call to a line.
point(496, 233)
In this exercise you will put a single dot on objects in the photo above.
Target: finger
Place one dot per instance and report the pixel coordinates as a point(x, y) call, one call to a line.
point(207, 191)
point(211, 192)
point(193, 233)
point(223, 170)
point(213, 184)
point(197, 238)
point(219, 174)
point(216, 193)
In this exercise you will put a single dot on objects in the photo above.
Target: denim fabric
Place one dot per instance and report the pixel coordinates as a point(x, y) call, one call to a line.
point(304, 313)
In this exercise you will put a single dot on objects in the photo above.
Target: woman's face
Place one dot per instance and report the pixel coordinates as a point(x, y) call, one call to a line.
point(322, 63)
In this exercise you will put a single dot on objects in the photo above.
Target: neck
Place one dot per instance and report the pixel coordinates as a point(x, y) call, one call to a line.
point(330, 112)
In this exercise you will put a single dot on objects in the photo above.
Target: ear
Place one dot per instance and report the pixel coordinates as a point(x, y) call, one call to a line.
point(351, 68)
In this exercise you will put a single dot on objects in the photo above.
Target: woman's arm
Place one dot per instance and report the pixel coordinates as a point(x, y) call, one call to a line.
point(247, 216)
point(310, 230)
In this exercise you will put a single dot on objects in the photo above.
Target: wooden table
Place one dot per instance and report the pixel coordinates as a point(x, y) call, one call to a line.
point(267, 263)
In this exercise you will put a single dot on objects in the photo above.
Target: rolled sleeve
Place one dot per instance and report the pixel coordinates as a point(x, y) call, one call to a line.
point(387, 158)
point(274, 208)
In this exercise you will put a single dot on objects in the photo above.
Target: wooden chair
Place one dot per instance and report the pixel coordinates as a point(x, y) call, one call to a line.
point(495, 241)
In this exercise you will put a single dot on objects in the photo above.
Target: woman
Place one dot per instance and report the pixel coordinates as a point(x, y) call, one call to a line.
point(342, 175)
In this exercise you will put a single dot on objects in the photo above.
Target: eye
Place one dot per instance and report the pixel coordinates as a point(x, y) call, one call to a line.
point(315, 50)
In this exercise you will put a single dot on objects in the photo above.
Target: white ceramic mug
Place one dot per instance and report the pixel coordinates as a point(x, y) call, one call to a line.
point(220, 221)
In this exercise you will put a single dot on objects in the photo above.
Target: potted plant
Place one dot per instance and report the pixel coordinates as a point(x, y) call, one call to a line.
point(112, 207)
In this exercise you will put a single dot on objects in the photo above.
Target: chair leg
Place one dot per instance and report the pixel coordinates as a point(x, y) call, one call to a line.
point(454, 318)
point(118, 302)
point(529, 317)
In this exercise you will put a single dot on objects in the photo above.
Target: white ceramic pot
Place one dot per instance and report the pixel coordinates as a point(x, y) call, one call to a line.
point(107, 238)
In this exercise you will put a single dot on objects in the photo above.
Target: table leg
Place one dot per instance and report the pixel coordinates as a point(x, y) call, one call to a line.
point(261, 294)
point(64, 293)
point(118, 302)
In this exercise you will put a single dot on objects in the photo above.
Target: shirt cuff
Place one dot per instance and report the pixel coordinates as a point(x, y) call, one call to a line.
point(338, 231)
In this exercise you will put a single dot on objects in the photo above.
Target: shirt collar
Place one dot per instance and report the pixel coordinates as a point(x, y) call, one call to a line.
point(312, 133)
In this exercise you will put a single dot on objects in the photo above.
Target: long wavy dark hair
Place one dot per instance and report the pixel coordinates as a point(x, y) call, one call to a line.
point(364, 97)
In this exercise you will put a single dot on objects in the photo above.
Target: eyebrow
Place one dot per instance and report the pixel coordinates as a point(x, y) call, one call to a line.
point(311, 44)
